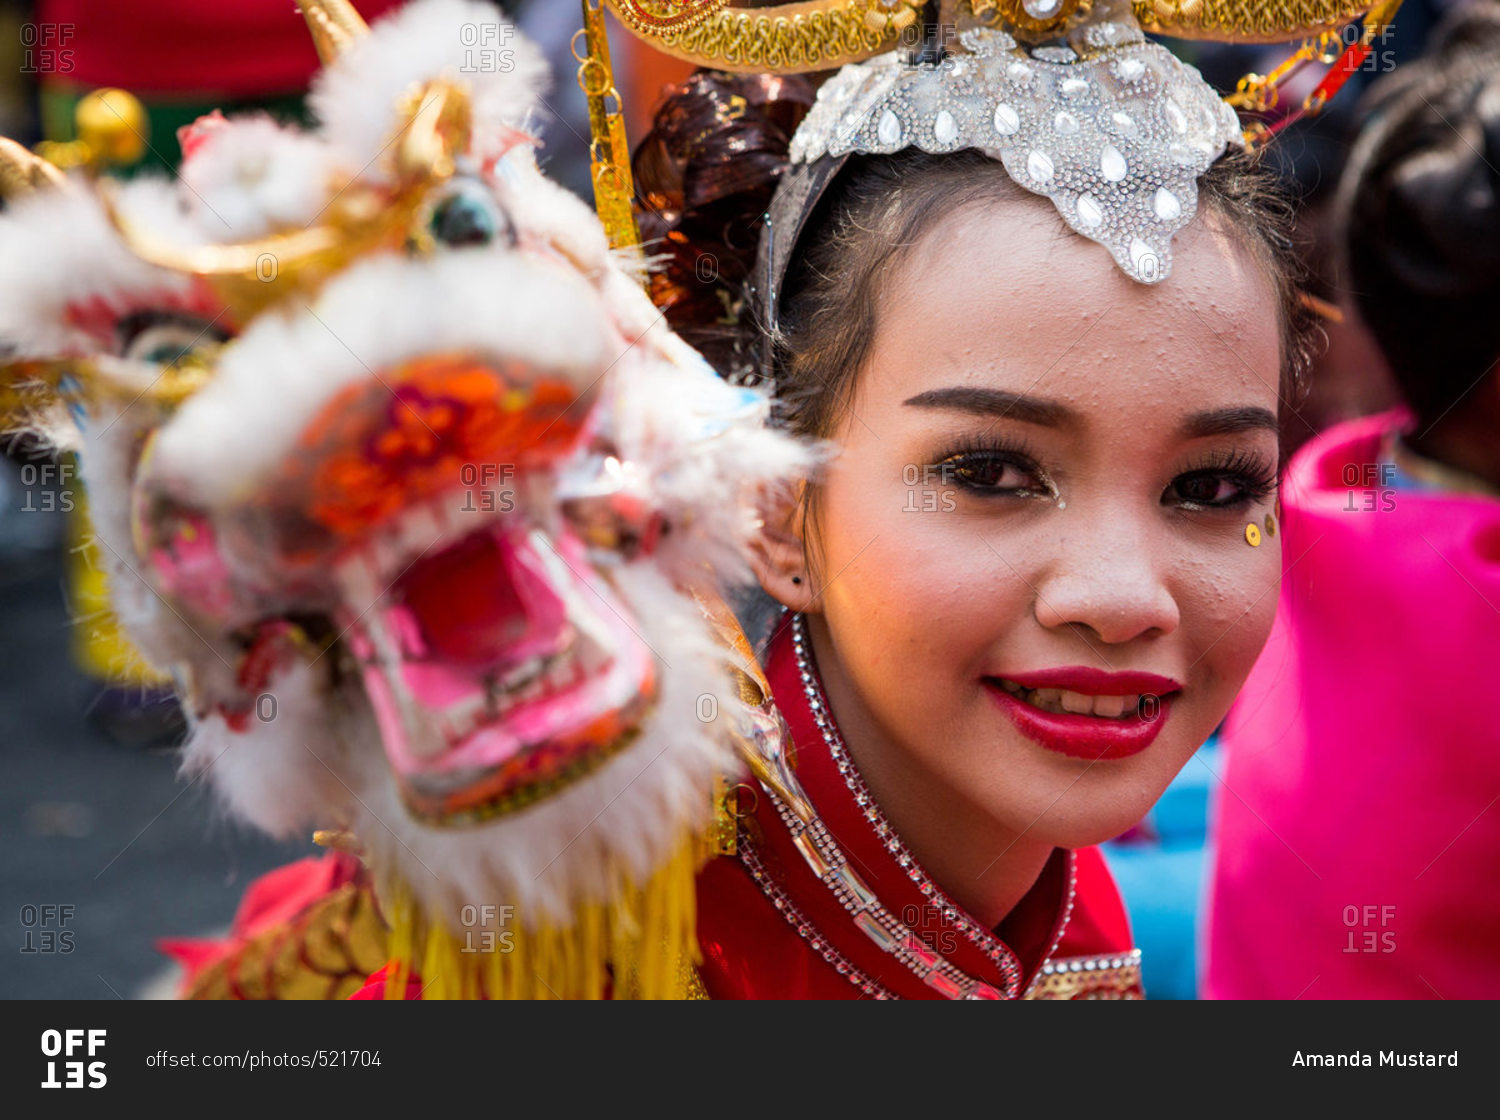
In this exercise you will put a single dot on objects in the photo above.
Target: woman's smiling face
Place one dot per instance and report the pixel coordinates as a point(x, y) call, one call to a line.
point(1033, 585)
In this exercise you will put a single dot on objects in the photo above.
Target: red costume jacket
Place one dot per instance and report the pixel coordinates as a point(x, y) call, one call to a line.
point(770, 928)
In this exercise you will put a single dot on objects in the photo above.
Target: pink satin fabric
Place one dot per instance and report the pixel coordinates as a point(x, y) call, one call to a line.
point(1356, 832)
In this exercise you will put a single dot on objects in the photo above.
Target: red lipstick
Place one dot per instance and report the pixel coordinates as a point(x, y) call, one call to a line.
point(1088, 736)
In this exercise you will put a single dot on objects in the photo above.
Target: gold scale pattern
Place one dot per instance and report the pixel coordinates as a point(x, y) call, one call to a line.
point(823, 34)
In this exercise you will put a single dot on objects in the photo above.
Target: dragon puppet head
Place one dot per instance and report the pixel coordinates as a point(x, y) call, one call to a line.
point(395, 466)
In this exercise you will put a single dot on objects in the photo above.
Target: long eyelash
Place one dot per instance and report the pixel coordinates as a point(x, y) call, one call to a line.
point(988, 443)
point(1016, 452)
point(1257, 476)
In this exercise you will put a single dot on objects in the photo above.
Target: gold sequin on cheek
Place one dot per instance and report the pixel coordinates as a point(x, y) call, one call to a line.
point(1252, 535)
point(1270, 524)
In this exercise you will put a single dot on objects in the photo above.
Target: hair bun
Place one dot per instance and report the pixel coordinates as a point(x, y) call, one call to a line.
point(704, 175)
point(1420, 210)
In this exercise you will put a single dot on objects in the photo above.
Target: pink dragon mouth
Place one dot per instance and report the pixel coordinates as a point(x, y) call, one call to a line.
point(498, 662)
point(497, 672)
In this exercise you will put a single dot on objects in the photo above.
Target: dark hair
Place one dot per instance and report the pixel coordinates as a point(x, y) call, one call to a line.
point(705, 174)
point(1419, 214)
point(831, 290)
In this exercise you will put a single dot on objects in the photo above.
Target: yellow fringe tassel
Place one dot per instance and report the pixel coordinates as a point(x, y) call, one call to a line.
point(643, 945)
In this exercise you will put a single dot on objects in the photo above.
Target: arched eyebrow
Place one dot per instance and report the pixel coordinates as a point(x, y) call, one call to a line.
point(980, 401)
point(1229, 421)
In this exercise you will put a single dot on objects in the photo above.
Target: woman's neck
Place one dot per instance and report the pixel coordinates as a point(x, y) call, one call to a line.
point(981, 865)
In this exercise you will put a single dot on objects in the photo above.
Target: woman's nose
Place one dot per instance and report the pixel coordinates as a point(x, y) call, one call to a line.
point(1108, 576)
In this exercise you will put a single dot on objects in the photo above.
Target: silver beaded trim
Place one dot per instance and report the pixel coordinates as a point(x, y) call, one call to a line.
point(1107, 977)
point(821, 852)
point(1131, 959)
point(805, 929)
point(983, 939)
point(823, 856)
point(1061, 926)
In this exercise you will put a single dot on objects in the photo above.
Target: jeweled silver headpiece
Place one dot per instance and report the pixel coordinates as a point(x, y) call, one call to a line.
point(1115, 131)
point(1068, 95)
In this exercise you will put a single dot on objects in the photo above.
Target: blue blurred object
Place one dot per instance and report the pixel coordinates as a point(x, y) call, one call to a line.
point(1159, 866)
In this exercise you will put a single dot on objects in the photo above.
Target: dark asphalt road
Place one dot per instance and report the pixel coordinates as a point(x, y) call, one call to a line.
point(109, 830)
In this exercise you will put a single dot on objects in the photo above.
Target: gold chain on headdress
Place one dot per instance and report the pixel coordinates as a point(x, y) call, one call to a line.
point(609, 149)
point(1258, 93)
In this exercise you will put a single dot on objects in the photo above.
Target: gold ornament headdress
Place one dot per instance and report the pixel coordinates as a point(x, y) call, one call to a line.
point(1068, 95)
point(826, 34)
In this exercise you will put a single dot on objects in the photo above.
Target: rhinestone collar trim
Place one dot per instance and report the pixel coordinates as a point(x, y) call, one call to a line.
point(805, 929)
point(984, 940)
point(821, 853)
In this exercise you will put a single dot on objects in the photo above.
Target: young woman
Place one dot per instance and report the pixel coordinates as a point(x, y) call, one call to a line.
point(1040, 562)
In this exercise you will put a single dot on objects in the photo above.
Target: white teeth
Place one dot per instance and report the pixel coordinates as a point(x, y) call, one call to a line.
point(356, 586)
point(523, 674)
point(592, 658)
point(1110, 706)
point(1076, 702)
point(562, 675)
point(416, 531)
point(583, 617)
point(380, 556)
point(539, 676)
point(1062, 700)
point(430, 742)
point(366, 574)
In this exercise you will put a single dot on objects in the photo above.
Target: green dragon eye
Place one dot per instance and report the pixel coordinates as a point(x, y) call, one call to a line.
point(166, 354)
point(469, 217)
point(164, 339)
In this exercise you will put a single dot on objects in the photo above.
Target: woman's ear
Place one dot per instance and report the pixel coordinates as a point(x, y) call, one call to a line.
point(778, 554)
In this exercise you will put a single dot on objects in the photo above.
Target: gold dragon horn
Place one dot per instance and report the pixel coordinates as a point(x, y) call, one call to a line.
point(251, 275)
point(245, 259)
point(23, 171)
point(439, 119)
point(334, 24)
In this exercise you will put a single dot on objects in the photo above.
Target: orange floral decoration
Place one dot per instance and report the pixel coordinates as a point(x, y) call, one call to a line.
point(382, 445)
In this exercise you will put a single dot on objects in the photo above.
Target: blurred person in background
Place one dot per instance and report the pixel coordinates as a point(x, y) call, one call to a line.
point(1355, 831)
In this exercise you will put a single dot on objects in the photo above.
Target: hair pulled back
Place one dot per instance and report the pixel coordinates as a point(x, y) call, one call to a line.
point(1419, 213)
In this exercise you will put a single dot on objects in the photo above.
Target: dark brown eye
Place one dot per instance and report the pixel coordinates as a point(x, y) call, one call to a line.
point(988, 472)
point(1202, 489)
point(1212, 490)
